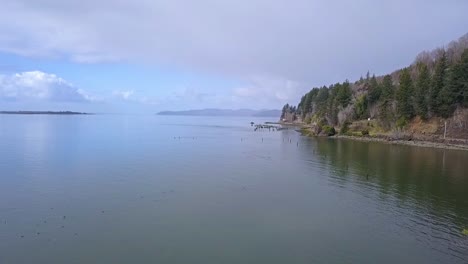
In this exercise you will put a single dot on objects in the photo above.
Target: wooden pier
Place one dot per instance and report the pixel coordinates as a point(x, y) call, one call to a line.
point(267, 126)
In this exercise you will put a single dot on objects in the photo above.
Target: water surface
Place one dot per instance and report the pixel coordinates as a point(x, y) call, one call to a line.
point(155, 189)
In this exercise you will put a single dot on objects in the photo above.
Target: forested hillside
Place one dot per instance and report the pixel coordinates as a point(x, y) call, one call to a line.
point(431, 89)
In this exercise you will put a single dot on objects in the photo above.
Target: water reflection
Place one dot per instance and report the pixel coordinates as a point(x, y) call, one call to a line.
point(425, 187)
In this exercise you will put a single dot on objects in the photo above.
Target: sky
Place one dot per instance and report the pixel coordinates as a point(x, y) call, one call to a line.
point(145, 56)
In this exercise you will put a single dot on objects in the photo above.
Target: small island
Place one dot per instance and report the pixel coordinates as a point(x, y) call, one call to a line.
point(43, 113)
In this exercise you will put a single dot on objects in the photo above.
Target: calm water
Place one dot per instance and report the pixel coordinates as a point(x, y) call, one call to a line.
point(127, 189)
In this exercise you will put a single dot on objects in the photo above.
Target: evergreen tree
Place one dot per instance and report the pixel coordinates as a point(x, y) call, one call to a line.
point(360, 108)
point(321, 100)
point(334, 102)
point(343, 94)
point(421, 90)
point(374, 90)
point(404, 95)
point(299, 106)
point(458, 80)
point(438, 81)
point(284, 110)
point(446, 101)
point(387, 88)
point(385, 111)
point(307, 103)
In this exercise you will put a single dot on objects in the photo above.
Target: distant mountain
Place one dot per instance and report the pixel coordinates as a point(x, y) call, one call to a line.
point(224, 112)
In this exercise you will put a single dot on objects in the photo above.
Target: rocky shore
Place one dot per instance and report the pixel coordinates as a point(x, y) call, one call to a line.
point(412, 142)
point(402, 138)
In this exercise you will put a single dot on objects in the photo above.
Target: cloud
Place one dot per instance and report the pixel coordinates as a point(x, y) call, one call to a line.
point(190, 94)
point(317, 42)
point(125, 95)
point(269, 91)
point(40, 86)
point(130, 96)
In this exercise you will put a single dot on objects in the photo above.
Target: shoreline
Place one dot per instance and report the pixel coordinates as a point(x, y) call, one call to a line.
point(414, 143)
point(385, 140)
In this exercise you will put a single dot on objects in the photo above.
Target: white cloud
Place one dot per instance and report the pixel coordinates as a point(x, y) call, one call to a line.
point(130, 96)
point(190, 94)
point(125, 95)
point(317, 42)
point(40, 86)
point(269, 91)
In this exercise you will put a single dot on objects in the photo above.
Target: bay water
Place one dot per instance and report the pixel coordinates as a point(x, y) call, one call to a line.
point(172, 189)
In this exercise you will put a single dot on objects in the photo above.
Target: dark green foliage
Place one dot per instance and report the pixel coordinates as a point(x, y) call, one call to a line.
point(344, 129)
point(300, 106)
point(365, 132)
point(438, 81)
point(458, 81)
point(343, 94)
point(288, 109)
point(385, 107)
point(401, 122)
point(375, 90)
point(404, 95)
point(454, 90)
point(307, 103)
point(387, 88)
point(360, 108)
point(328, 130)
point(422, 88)
point(321, 101)
point(446, 101)
point(284, 110)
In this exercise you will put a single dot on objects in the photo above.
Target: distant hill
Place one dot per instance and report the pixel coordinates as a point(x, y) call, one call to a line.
point(224, 112)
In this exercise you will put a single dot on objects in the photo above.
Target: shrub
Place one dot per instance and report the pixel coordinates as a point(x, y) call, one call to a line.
point(344, 129)
point(401, 122)
point(329, 130)
point(365, 132)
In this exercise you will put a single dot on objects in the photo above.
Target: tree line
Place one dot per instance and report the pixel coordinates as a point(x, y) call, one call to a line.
point(435, 85)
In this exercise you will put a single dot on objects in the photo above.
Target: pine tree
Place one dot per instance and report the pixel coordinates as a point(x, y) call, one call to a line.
point(374, 90)
point(300, 107)
point(438, 80)
point(458, 80)
point(421, 90)
point(284, 111)
point(404, 95)
point(446, 100)
point(385, 111)
point(387, 88)
point(322, 100)
point(307, 103)
point(343, 94)
point(361, 107)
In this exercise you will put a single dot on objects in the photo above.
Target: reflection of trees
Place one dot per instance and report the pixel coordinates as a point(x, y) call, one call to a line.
point(434, 178)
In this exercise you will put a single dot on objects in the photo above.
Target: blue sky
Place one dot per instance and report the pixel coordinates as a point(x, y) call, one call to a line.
point(120, 87)
point(146, 56)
